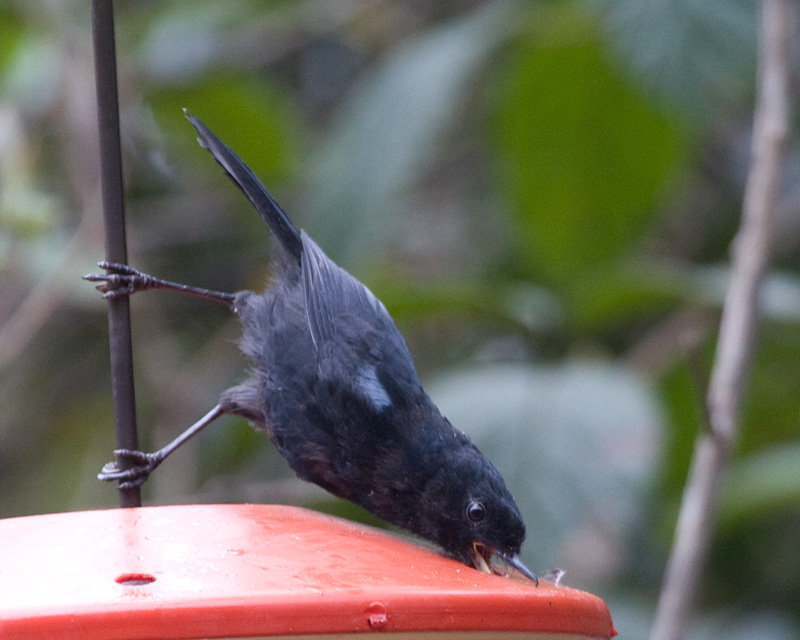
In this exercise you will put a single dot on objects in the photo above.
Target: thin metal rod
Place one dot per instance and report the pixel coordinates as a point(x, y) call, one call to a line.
point(119, 319)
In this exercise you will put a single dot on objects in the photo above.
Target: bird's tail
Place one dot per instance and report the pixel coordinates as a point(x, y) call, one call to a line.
point(244, 178)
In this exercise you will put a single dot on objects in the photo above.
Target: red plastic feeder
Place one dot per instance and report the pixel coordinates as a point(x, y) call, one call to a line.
point(236, 571)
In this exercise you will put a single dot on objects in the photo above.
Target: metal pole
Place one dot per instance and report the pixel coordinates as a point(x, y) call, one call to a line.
point(119, 319)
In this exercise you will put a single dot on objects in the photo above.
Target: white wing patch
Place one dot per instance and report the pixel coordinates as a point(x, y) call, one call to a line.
point(367, 382)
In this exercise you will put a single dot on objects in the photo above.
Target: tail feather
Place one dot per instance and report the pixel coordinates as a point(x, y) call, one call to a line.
point(244, 178)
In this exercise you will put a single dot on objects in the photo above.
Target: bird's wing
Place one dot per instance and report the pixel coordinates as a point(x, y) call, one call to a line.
point(341, 311)
point(332, 294)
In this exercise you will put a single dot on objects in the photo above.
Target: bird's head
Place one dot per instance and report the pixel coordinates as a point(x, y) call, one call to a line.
point(469, 511)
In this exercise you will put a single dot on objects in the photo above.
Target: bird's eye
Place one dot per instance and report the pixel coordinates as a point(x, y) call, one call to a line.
point(476, 511)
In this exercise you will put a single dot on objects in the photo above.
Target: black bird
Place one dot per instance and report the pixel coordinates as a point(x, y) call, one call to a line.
point(335, 388)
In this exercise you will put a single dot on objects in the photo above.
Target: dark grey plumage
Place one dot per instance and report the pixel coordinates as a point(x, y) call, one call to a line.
point(335, 387)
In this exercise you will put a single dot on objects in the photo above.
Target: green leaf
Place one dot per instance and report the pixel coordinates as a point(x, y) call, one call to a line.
point(249, 115)
point(622, 294)
point(383, 135)
point(582, 155)
point(699, 54)
point(183, 41)
point(772, 404)
point(511, 303)
point(762, 483)
point(30, 74)
point(11, 32)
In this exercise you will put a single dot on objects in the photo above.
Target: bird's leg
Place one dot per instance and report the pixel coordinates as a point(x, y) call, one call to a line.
point(123, 280)
point(143, 464)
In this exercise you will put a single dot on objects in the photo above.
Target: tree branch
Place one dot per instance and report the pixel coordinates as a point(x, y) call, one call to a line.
point(750, 256)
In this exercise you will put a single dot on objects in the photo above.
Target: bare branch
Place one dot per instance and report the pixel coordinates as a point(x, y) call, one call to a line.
point(750, 255)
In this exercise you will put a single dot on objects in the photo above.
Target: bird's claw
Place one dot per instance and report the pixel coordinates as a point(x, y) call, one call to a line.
point(122, 280)
point(141, 466)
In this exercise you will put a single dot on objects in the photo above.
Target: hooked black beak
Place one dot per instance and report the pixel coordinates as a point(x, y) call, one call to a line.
point(515, 562)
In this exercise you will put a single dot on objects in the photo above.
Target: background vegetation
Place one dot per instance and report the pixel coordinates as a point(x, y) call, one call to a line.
point(543, 195)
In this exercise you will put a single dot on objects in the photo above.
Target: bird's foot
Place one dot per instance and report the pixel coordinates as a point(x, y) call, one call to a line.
point(141, 466)
point(122, 280)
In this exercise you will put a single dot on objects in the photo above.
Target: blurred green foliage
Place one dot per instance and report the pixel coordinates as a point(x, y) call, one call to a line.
point(541, 193)
point(599, 153)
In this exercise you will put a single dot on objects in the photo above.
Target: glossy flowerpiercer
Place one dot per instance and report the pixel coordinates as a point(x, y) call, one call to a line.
point(335, 388)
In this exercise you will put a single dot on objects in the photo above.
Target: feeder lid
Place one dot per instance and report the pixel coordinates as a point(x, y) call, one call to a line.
point(232, 571)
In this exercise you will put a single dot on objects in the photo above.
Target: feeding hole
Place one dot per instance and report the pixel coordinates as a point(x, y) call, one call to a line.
point(135, 579)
